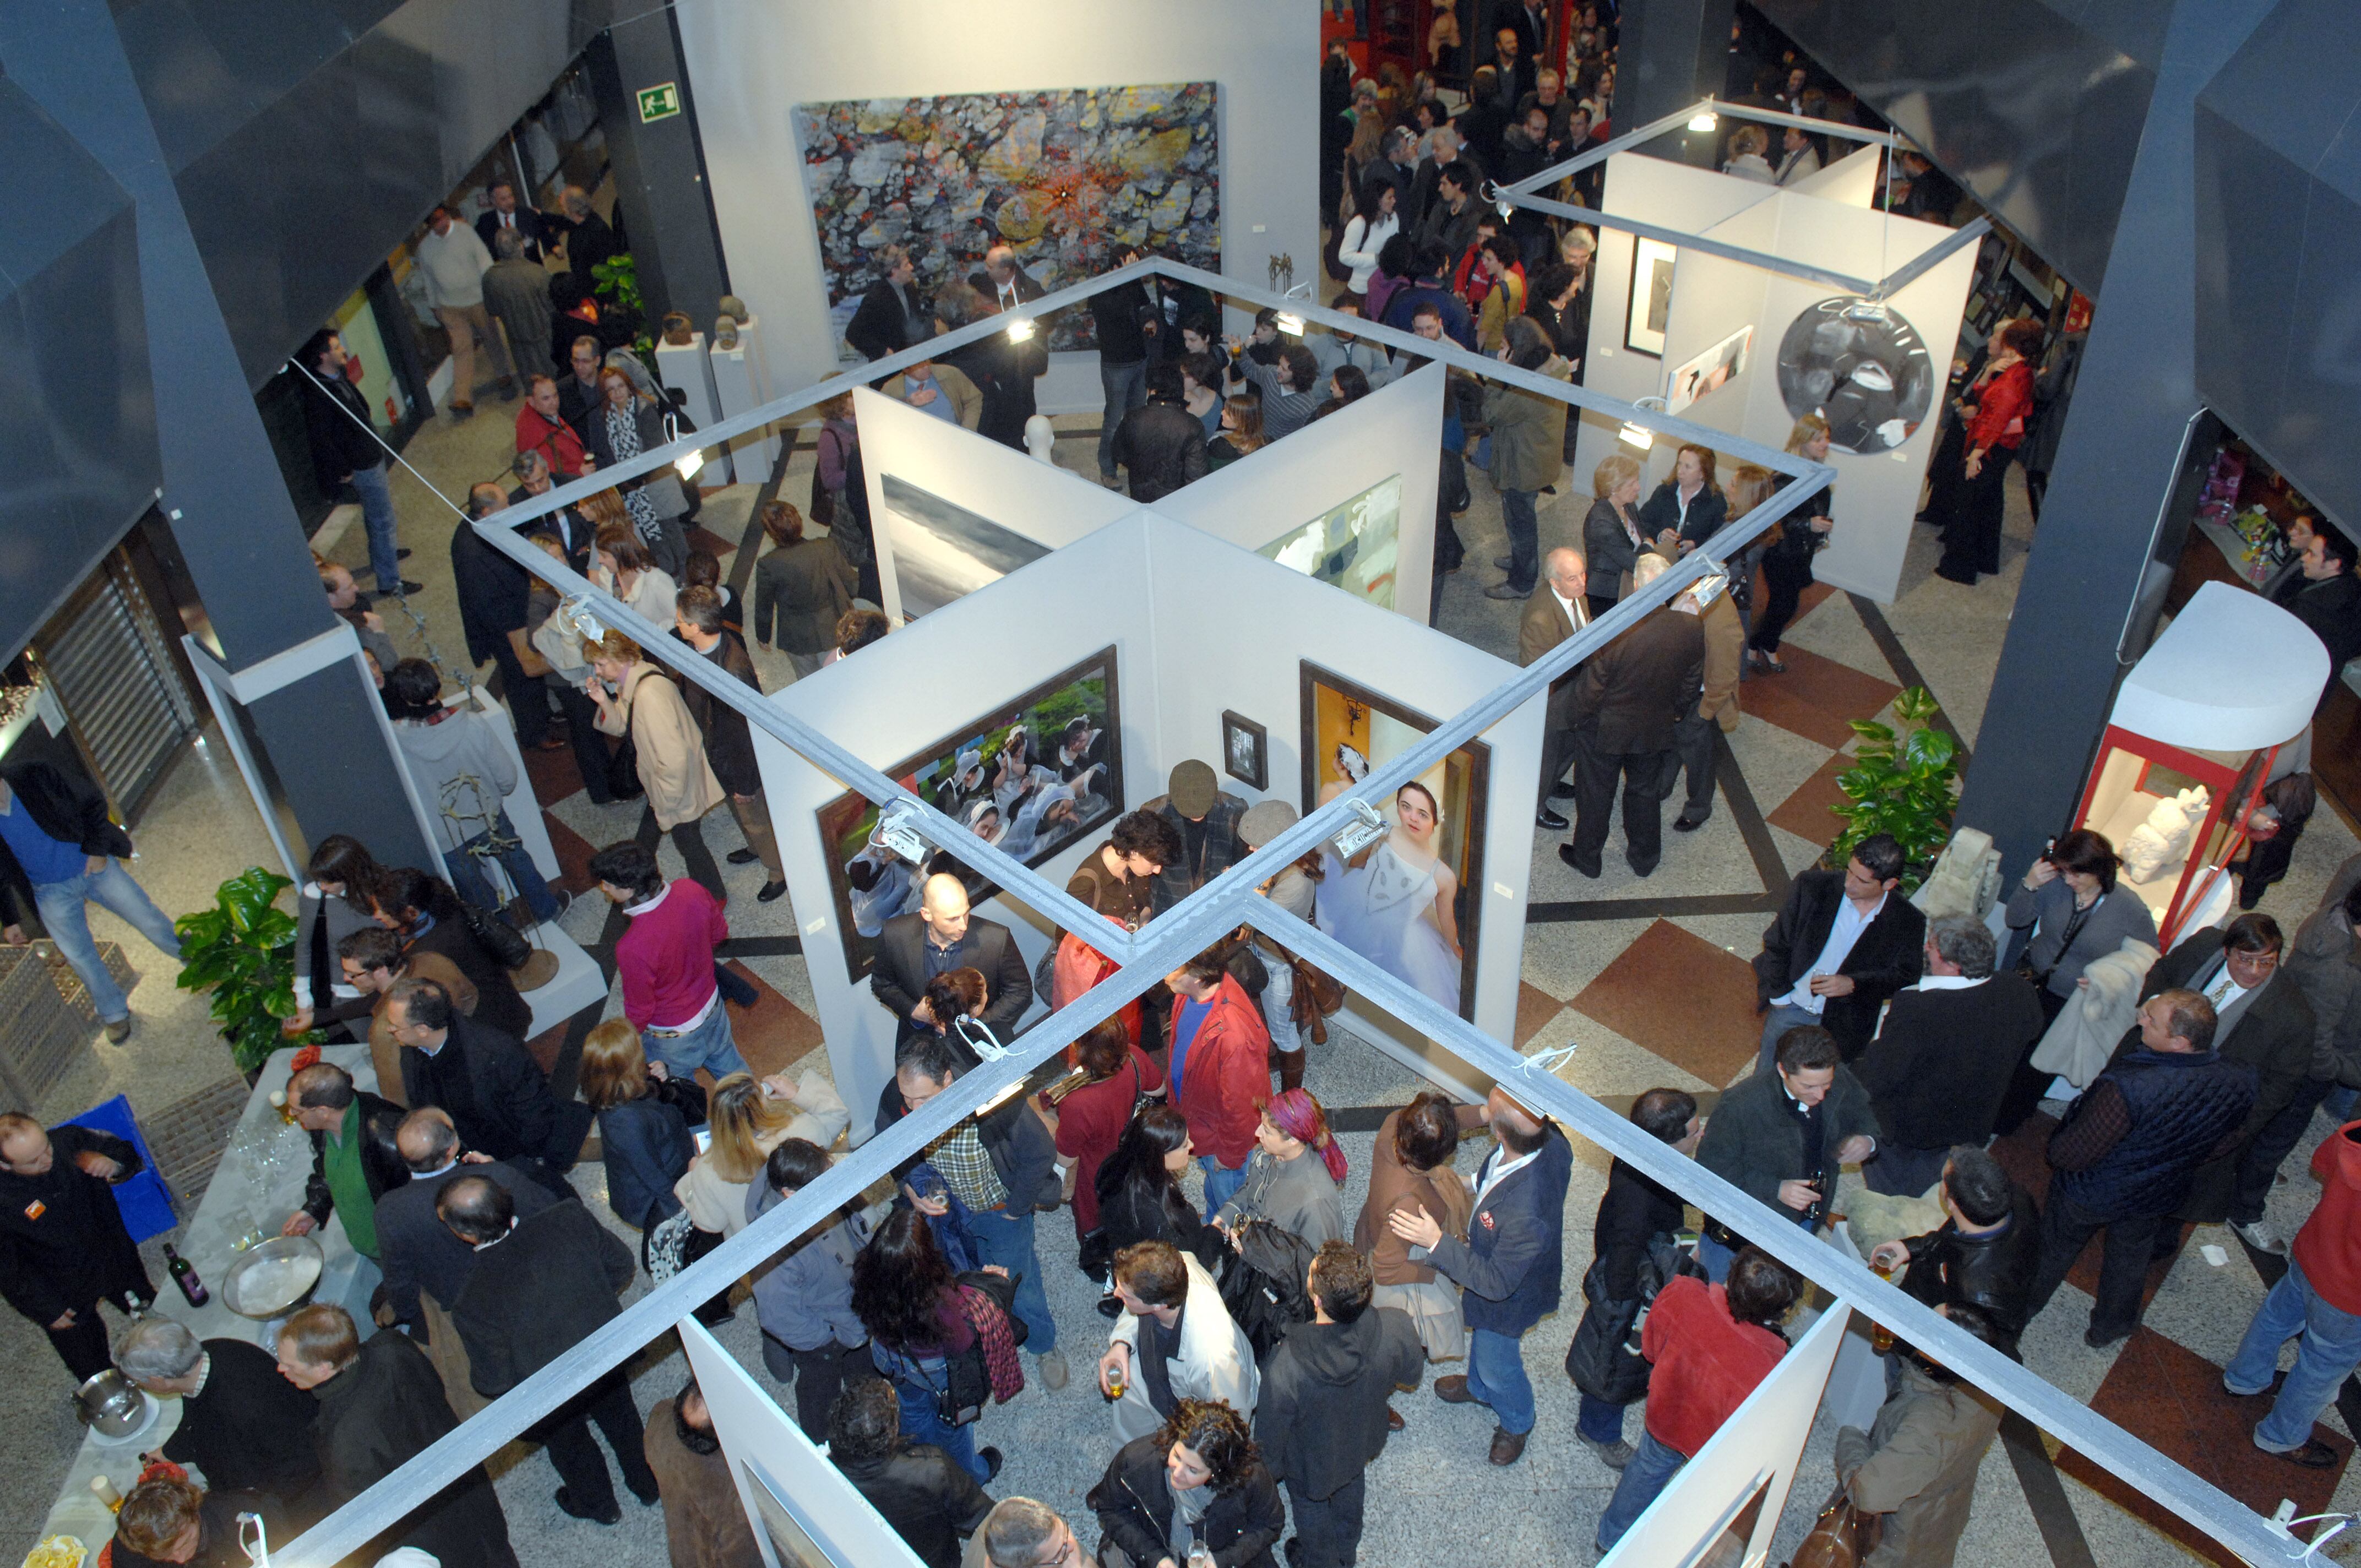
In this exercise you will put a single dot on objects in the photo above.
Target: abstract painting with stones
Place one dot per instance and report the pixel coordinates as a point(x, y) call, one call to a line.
point(1064, 178)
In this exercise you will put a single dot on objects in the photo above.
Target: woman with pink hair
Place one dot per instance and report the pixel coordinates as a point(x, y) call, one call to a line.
point(1294, 1173)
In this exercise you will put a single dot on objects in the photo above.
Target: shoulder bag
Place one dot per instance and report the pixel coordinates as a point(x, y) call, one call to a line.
point(497, 938)
point(2041, 977)
point(1843, 1536)
point(664, 487)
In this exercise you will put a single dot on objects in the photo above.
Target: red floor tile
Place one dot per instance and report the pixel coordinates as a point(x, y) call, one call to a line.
point(1535, 1008)
point(1806, 813)
point(1682, 997)
point(1816, 698)
point(712, 543)
point(774, 1033)
point(555, 775)
point(2172, 1398)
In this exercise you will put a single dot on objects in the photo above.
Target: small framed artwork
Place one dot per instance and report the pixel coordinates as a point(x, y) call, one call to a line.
point(1245, 750)
point(1652, 296)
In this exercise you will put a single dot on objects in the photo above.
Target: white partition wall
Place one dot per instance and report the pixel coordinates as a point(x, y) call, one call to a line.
point(1757, 1450)
point(754, 61)
point(1395, 433)
point(1852, 179)
point(792, 1494)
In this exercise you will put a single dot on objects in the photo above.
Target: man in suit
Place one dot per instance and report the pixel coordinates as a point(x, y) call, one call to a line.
point(240, 1421)
point(516, 292)
point(1626, 700)
point(893, 313)
point(1724, 627)
point(497, 1097)
point(573, 531)
point(1549, 619)
point(415, 1250)
point(578, 397)
point(2330, 600)
point(64, 1247)
point(590, 238)
point(354, 1161)
point(540, 1287)
point(1943, 1056)
point(1508, 1268)
point(495, 596)
point(942, 389)
point(1002, 286)
point(2263, 1022)
point(940, 936)
point(506, 216)
point(1987, 1250)
point(1781, 1137)
point(1844, 943)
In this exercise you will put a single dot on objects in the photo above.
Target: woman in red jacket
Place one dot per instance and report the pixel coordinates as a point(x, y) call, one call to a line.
point(1995, 407)
point(1710, 1346)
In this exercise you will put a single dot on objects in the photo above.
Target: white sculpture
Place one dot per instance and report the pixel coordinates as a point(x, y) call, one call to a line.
point(1041, 439)
point(2162, 842)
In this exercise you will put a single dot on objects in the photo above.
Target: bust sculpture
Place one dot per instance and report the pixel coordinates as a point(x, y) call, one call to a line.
point(725, 331)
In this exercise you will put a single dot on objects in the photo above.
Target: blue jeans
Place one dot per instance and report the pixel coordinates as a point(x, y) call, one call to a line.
point(1653, 1466)
point(2340, 1103)
point(467, 879)
point(709, 1046)
point(1006, 1239)
point(2330, 1350)
point(60, 907)
point(1524, 539)
point(1775, 1023)
point(1495, 1377)
point(1222, 1184)
point(1599, 1421)
point(1126, 389)
point(376, 516)
point(916, 1383)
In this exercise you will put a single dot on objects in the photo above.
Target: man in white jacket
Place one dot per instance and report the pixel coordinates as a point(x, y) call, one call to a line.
point(1175, 1340)
point(454, 261)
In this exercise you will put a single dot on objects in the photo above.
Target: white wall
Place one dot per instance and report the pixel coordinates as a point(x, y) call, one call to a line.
point(921, 684)
point(1044, 503)
point(1654, 192)
point(1852, 179)
point(1877, 494)
point(1764, 1434)
point(752, 60)
point(1396, 430)
point(1258, 676)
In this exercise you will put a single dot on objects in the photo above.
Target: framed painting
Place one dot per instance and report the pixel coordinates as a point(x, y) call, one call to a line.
point(943, 551)
point(1652, 296)
point(1029, 777)
point(1352, 546)
point(1409, 903)
point(790, 1536)
point(1709, 371)
point(1245, 750)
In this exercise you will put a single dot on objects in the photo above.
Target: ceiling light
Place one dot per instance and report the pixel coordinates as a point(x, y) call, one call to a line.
point(1021, 330)
point(1638, 435)
point(1707, 121)
point(1291, 323)
point(687, 467)
point(1357, 836)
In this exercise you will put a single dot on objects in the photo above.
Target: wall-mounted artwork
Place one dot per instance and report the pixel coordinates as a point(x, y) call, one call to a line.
point(1652, 296)
point(1245, 750)
point(1353, 547)
point(1411, 902)
point(1862, 368)
point(1062, 177)
point(1028, 778)
point(942, 552)
point(1709, 371)
point(791, 1535)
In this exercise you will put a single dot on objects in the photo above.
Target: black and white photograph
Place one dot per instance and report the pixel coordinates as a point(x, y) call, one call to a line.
point(1652, 296)
point(943, 551)
point(1245, 750)
point(1862, 368)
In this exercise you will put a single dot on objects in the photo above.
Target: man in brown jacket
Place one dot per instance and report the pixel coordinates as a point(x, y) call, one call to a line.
point(1549, 619)
point(1693, 748)
point(1627, 701)
point(1916, 1465)
point(705, 1524)
point(373, 959)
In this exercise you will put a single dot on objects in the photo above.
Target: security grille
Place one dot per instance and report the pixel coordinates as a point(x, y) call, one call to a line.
point(106, 660)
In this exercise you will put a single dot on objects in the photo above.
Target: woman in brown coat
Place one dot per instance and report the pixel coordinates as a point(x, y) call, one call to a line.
point(639, 701)
point(1412, 1172)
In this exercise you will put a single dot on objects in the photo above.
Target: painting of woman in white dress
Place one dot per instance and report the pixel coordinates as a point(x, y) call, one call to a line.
point(1405, 903)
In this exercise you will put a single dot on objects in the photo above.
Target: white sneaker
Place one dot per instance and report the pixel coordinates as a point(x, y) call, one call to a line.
point(2259, 1235)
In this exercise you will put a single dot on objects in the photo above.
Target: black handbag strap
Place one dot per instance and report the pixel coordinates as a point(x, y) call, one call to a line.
point(2066, 941)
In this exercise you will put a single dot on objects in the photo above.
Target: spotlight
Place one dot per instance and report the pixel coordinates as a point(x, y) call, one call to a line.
point(1356, 837)
point(1634, 435)
point(897, 831)
point(687, 467)
point(1021, 330)
point(1291, 323)
point(1706, 122)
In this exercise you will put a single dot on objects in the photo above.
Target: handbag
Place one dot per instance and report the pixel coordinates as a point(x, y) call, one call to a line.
point(2041, 977)
point(1315, 995)
point(1604, 1360)
point(1842, 1537)
point(497, 938)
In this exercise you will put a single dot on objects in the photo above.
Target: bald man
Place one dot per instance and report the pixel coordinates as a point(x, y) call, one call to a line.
point(62, 1245)
point(1549, 619)
point(1508, 1268)
point(937, 936)
point(417, 1251)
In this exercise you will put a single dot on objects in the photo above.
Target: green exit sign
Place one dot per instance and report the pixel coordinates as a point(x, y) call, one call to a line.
point(661, 102)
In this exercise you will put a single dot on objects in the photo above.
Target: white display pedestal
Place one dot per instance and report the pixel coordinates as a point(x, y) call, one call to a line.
point(687, 370)
point(741, 382)
point(580, 982)
point(524, 807)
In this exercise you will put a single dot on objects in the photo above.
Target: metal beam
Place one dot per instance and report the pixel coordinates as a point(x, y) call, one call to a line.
point(1591, 157)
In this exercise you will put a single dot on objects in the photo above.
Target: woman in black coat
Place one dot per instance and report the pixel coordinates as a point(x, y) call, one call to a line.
point(626, 427)
point(1203, 1449)
point(643, 1127)
point(1689, 504)
point(1787, 564)
point(1139, 1190)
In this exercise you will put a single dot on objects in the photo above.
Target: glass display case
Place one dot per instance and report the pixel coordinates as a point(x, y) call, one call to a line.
point(2176, 816)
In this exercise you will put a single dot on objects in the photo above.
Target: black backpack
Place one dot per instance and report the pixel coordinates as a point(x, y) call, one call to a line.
point(1263, 1284)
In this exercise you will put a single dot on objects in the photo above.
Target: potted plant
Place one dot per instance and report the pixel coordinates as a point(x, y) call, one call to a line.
point(243, 950)
point(1904, 781)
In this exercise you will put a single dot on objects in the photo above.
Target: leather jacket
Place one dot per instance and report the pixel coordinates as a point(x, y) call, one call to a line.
point(1994, 1271)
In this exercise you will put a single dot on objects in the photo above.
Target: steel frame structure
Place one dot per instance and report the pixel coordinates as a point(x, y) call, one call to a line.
point(1222, 906)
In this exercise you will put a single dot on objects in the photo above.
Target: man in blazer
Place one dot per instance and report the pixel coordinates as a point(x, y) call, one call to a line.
point(940, 936)
point(893, 313)
point(1844, 943)
point(495, 1094)
point(417, 1252)
point(1626, 700)
point(1549, 619)
point(1509, 1267)
point(2262, 1021)
point(1002, 285)
point(505, 214)
point(540, 1287)
point(941, 388)
point(1781, 1137)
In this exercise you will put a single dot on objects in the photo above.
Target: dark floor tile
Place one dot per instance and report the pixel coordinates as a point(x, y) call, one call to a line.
point(555, 775)
point(574, 852)
point(1806, 814)
point(1682, 997)
point(1816, 698)
point(1535, 1008)
point(774, 1033)
point(712, 543)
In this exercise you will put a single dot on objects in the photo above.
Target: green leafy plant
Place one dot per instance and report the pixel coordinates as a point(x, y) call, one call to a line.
point(1905, 781)
point(243, 950)
point(617, 279)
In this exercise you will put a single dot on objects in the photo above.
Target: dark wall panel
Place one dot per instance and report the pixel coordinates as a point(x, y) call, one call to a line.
point(2037, 115)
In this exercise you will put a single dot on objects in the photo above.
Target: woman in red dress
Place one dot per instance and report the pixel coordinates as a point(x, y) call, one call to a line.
point(1995, 407)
